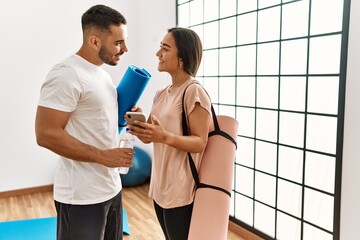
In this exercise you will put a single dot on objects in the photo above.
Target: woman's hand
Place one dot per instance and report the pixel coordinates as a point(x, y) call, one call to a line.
point(199, 124)
point(149, 132)
point(136, 109)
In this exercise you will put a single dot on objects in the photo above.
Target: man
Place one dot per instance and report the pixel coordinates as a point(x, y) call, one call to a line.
point(77, 119)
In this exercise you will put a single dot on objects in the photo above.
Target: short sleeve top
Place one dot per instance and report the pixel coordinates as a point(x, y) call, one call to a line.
point(172, 184)
point(88, 93)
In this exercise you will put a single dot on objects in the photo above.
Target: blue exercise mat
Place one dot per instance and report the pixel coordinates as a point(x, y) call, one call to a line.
point(129, 90)
point(126, 229)
point(39, 229)
point(30, 229)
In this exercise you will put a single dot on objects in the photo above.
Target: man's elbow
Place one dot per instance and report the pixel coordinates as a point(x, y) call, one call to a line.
point(40, 140)
point(43, 138)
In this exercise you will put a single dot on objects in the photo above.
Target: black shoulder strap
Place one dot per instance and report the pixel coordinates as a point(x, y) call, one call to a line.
point(217, 131)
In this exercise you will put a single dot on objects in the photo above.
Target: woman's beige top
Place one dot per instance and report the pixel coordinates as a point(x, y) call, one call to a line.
point(172, 184)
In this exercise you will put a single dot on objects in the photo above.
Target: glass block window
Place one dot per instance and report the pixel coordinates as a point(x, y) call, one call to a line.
point(278, 67)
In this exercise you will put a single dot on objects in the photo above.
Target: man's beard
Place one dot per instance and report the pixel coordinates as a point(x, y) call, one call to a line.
point(107, 57)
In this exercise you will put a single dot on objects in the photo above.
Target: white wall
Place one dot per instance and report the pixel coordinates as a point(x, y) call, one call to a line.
point(350, 195)
point(35, 35)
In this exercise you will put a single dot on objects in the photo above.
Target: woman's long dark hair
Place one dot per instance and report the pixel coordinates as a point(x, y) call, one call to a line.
point(189, 48)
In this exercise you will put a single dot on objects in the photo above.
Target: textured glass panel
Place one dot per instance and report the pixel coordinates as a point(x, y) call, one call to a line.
point(326, 16)
point(265, 219)
point(248, 77)
point(266, 154)
point(267, 92)
point(211, 85)
point(294, 56)
point(211, 62)
point(245, 94)
point(318, 209)
point(227, 111)
point(290, 164)
point(312, 233)
point(295, 18)
point(247, 28)
point(245, 151)
point(232, 203)
point(321, 133)
point(265, 187)
point(268, 3)
point(268, 59)
point(269, 24)
point(287, 227)
point(266, 125)
point(227, 8)
point(211, 33)
point(211, 10)
point(246, 60)
point(227, 90)
point(227, 32)
point(183, 15)
point(325, 54)
point(291, 129)
point(246, 5)
point(196, 12)
point(246, 116)
point(244, 209)
point(320, 172)
point(289, 197)
point(228, 62)
point(244, 180)
point(323, 94)
point(292, 93)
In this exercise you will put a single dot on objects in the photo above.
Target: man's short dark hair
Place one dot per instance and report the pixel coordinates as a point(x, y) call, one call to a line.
point(101, 17)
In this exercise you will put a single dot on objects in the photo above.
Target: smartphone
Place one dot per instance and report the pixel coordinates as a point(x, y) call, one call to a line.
point(130, 117)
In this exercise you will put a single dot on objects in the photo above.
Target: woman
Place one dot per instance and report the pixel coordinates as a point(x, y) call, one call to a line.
point(172, 186)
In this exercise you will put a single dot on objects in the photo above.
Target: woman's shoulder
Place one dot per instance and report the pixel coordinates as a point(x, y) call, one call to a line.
point(195, 87)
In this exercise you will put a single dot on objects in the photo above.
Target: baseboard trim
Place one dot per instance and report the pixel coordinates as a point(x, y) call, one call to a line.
point(242, 232)
point(24, 191)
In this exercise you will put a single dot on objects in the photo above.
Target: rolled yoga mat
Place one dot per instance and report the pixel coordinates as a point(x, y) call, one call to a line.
point(210, 216)
point(129, 90)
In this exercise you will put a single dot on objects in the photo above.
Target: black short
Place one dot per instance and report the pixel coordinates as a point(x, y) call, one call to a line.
point(102, 221)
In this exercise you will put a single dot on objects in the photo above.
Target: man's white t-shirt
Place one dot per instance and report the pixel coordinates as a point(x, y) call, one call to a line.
point(87, 91)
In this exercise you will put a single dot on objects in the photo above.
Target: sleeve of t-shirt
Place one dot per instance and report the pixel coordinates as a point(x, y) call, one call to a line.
point(196, 94)
point(61, 89)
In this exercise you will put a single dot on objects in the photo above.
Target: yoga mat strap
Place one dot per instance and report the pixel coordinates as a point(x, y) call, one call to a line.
point(217, 131)
point(223, 134)
point(197, 181)
point(204, 185)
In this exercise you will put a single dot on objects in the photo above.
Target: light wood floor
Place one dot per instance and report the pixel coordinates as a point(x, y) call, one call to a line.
point(141, 216)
